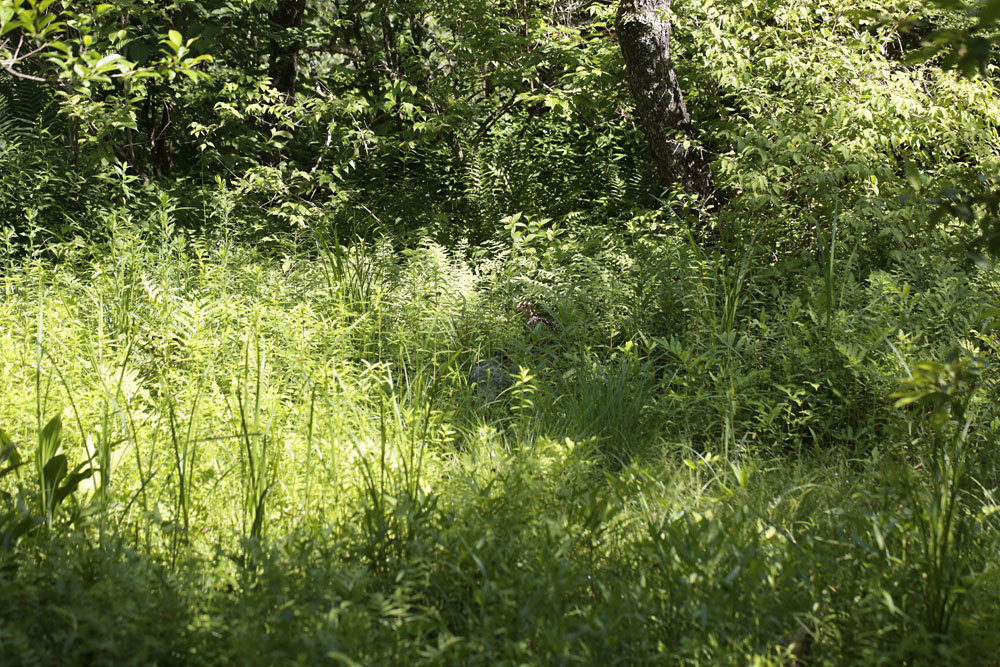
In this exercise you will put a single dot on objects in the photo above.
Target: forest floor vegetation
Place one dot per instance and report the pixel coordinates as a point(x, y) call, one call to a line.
point(215, 455)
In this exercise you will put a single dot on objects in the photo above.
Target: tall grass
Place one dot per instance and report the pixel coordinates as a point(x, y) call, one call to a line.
point(290, 452)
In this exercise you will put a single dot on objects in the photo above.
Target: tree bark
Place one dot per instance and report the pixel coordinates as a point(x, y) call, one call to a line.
point(284, 66)
point(643, 29)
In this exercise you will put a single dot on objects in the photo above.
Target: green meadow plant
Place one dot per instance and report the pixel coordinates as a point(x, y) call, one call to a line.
point(302, 471)
point(832, 297)
point(945, 392)
point(350, 267)
point(185, 459)
point(15, 518)
point(254, 415)
point(55, 482)
point(610, 399)
point(241, 326)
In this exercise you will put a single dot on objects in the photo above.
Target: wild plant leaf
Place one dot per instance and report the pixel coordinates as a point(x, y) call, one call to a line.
point(8, 453)
point(54, 471)
point(909, 398)
point(70, 485)
point(992, 317)
point(49, 439)
point(12, 529)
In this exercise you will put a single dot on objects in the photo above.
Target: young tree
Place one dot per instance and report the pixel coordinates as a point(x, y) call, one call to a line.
point(643, 28)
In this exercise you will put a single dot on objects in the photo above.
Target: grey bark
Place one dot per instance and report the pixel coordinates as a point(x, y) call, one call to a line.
point(643, 29)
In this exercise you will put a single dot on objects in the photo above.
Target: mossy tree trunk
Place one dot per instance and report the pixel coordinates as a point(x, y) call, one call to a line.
point(643, 28)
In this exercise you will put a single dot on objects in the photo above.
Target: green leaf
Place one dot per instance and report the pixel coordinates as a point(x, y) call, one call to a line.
point(48, 441)
point(909, 399)
point(10, 536)
point(8, 453)
point(6, 14)
point(70, 485)
point(55, 471)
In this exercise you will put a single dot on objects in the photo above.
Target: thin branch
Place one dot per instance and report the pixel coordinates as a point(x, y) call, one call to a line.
point(493, 118)
point(427, 31)
point(329, 140)
point(17, 53)
point(348, 51)
point(21, 75)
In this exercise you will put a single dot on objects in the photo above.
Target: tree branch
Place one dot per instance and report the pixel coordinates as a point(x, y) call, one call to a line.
point(21, 75)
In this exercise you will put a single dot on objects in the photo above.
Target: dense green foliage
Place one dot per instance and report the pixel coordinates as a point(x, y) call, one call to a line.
point(251, 258)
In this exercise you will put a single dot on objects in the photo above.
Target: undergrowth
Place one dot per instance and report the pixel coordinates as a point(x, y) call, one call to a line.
point(248, 458)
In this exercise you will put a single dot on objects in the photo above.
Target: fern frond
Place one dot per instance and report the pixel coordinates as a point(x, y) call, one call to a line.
point(24, 105)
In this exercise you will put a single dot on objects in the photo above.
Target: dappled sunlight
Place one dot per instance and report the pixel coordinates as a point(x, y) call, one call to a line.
point(478, 334)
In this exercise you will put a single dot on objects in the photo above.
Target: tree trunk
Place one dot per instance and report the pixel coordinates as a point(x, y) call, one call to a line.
point(643, 29)
point(284, 67)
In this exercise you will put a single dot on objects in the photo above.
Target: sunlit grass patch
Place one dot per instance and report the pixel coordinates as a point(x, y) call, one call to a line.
point(300, 462)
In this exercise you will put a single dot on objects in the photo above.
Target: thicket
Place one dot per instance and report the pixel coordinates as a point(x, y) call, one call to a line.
point(243, 295)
